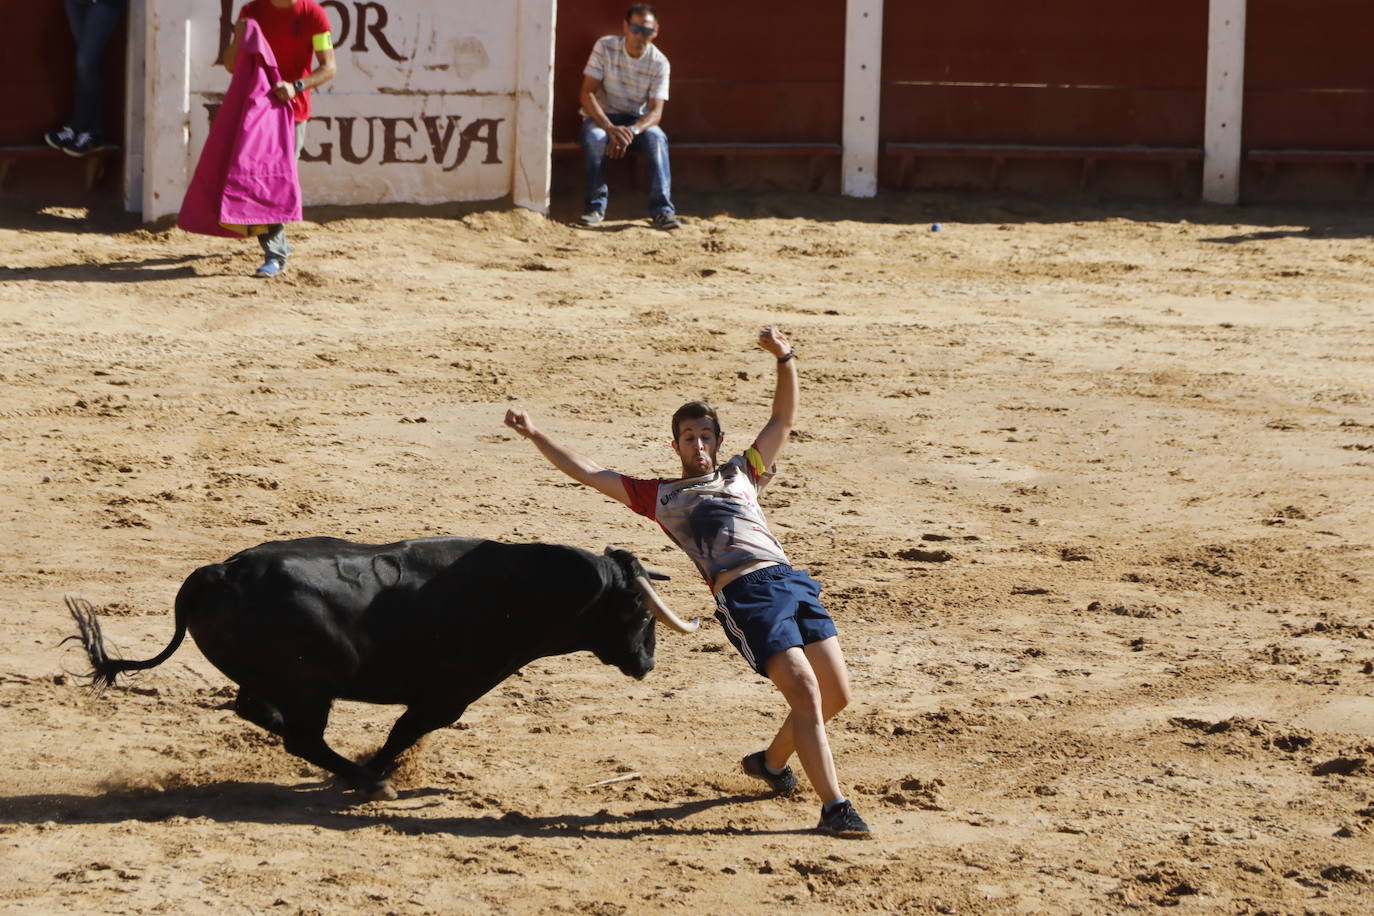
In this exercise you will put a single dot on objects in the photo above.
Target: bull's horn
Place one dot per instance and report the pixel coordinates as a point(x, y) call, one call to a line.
point(661, 610)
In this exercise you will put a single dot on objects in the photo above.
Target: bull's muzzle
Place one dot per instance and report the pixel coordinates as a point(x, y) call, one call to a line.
point(660, 609)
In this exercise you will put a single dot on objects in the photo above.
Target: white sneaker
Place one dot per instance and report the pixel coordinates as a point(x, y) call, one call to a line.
point(58, 139)
point(79, 147)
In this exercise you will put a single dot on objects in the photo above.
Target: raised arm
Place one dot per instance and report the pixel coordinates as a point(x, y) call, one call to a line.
point(773, 436)
point(578, 467)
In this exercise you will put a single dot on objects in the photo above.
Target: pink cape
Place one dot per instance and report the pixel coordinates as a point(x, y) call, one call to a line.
point(246, 177)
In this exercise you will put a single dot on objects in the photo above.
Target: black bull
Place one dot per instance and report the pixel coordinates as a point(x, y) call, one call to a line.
point(430, 623)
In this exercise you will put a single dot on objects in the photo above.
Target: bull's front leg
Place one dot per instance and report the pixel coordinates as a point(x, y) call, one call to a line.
point(414, 724)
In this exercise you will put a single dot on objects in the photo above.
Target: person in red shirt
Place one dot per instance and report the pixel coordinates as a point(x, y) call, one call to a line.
point(298, 33)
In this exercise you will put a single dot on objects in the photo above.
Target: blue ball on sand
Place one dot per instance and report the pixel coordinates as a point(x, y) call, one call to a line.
point(934, 227)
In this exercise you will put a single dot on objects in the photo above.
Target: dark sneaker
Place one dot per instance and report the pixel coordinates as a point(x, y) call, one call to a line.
point(843, 820)
point(591, 218)
point(665, 219)
point(80, 145)
point(59, 139)
point(270, 268)
point(781, 783)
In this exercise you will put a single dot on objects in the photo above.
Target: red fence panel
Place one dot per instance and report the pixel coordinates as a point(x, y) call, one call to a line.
point(768, 71)
point(1309, 74)
point(1067, 72)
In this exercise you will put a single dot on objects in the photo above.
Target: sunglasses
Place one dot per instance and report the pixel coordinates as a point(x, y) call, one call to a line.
point(645, 30)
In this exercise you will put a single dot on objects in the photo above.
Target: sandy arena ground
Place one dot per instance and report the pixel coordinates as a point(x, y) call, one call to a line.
point(1089, 487)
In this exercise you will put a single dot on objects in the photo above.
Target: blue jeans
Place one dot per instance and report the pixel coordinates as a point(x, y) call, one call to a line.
point(92, 22)
point(273, 241)
point(652, 144)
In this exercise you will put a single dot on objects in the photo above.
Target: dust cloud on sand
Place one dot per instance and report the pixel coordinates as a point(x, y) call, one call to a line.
point(1089, 489)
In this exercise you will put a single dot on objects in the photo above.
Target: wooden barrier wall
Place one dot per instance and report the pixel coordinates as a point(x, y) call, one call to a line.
point(1073, 72)
point(1309, 74)
point(1058, 72)
point(767, 71)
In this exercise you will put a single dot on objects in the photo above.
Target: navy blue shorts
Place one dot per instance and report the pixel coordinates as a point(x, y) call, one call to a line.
point(771, 610)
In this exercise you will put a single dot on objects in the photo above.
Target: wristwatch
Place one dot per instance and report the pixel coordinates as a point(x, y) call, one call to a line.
point(300, 85)
point(634, 130)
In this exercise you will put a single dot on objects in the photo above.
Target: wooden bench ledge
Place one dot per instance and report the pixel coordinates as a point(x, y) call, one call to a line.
point(1270, 159)
point(693, 148)
point(1034, 151)
point(94, 161)
point(816, 154)
point(1178, 157)
point(1311, 155)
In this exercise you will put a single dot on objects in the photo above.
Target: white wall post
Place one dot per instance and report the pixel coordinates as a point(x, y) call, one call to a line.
point(166, 107)
point(863, 73)
point(534, 104)
point(135, 82)
point(1225, 101)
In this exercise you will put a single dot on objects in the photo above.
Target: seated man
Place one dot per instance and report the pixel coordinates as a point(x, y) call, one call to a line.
point(624, 87)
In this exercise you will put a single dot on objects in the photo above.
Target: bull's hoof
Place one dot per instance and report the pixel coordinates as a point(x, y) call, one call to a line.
point(381, 791)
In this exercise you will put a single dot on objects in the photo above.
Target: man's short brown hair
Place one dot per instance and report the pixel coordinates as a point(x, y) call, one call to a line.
point(695, 410)
point(641, 9)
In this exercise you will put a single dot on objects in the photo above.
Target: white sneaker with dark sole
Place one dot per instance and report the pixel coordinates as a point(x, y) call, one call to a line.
point(79, 146)
point(59, 139)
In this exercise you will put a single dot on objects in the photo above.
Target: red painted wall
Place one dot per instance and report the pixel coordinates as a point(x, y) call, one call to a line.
point(763, 71)
point(38, 75)
point(1309, 74)
point(1053, 72)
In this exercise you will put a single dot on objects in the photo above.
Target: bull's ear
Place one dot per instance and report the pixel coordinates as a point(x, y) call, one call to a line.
point(656, 575)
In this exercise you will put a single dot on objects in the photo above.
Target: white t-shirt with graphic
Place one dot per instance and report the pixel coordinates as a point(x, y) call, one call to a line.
point(716, 518)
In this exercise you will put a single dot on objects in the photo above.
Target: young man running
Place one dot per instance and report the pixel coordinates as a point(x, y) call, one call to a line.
point(770, 612)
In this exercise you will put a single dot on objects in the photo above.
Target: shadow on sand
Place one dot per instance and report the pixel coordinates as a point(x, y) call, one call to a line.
point(322, 804)
point(172, 268)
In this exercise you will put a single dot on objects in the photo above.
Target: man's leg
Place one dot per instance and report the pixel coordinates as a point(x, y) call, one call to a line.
point(794, 675)
point(273, 241)
point(92, 25)
point(832, 676)
point(653, 144)
point(274, 247)
point(791, 672)
point(594, 141)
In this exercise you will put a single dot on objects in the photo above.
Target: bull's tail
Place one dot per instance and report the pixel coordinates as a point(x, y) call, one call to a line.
point(106, 669)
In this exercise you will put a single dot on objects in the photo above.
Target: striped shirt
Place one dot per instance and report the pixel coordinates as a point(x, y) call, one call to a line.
point(715, 518)
point(627, 83)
